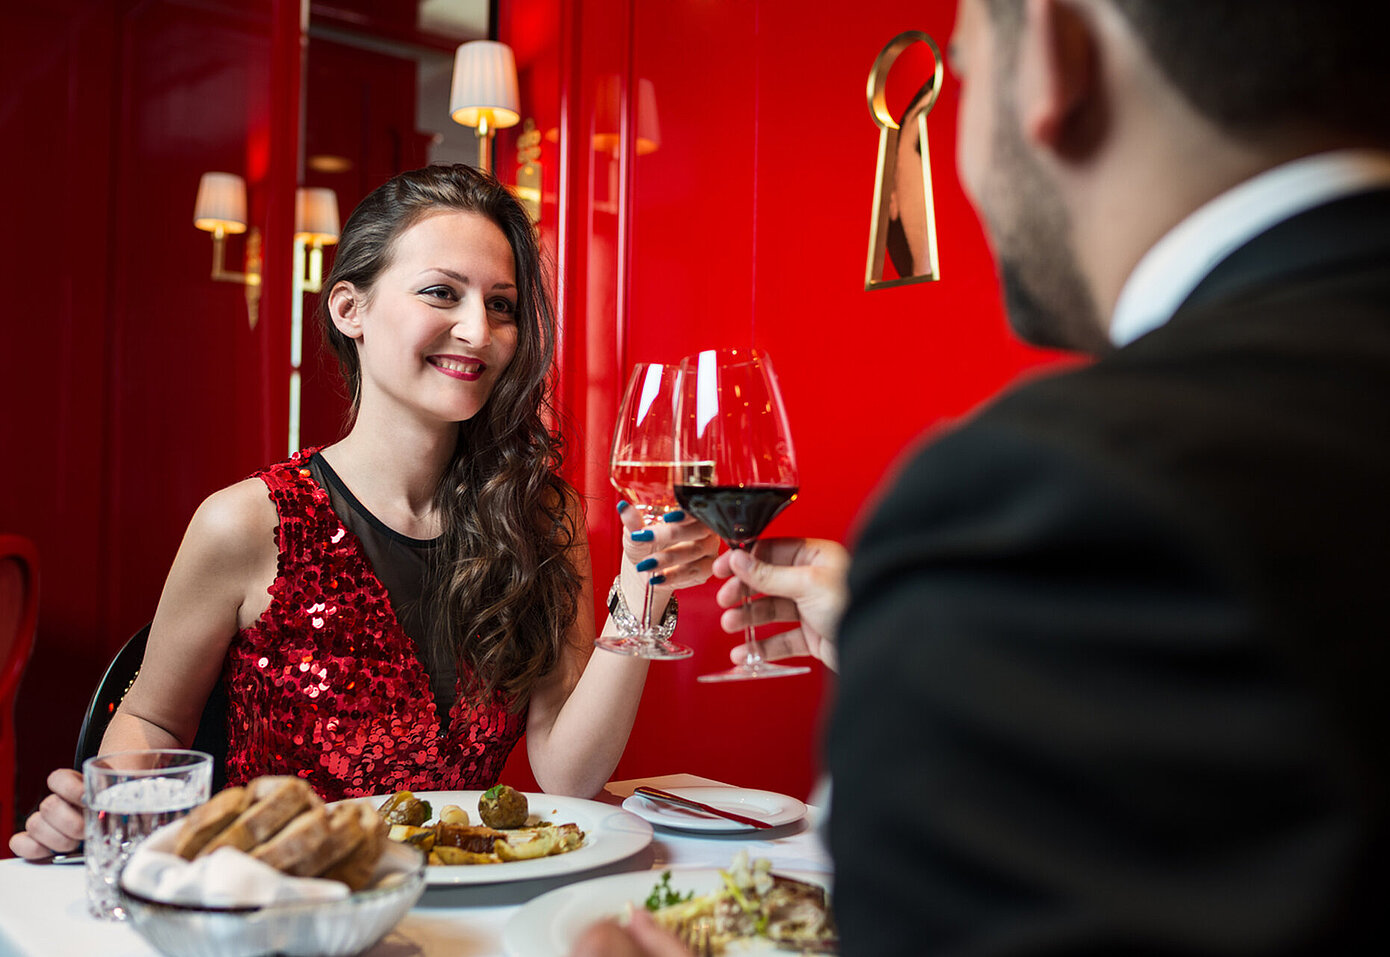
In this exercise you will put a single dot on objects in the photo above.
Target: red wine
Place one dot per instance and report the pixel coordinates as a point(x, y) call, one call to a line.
point(736, 513)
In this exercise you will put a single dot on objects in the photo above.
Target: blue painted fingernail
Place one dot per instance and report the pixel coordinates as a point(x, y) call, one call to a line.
point(645, 535)
point(646, 564)
point(656, 579)
point(676, 516)
point(623, 506)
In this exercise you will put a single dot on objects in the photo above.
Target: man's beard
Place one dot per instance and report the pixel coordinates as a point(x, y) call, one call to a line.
point(1048, 301)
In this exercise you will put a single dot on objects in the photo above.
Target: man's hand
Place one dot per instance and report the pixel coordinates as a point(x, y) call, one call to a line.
point(641, 938)
point(798, 579)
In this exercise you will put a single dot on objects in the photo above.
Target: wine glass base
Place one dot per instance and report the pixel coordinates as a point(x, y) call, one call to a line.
point(763, 669)
point(635, 646)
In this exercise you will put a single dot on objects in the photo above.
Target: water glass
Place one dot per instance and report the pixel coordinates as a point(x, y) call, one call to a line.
point(127, 796)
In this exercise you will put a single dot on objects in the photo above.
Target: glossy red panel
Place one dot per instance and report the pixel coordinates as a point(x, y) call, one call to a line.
point(749, 222)
point(133, 384)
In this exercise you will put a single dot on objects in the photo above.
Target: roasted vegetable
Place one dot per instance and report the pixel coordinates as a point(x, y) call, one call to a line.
point(405, 808)
point(503, 806)
point(421, 837)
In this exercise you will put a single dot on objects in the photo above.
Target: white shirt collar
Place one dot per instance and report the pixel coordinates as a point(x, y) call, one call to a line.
point(1169, 271)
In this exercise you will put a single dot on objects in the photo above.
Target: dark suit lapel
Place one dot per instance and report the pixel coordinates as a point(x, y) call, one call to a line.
point(1349, 233)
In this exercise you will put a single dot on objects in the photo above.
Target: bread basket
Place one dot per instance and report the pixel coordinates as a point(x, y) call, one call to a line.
point(335, 928)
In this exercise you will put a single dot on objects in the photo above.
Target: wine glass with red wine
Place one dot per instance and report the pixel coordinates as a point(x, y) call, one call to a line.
point(735, 468)
point(641, 468)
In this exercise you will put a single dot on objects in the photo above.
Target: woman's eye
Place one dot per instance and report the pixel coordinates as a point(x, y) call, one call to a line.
point(505, 306)
point(438, 292)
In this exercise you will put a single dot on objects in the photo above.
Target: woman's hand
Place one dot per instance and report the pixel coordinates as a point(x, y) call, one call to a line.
point(56, 827)
point(798, 579)
point(676, 552)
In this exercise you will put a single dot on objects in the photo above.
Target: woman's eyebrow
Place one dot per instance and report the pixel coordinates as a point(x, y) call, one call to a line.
point(461, 278)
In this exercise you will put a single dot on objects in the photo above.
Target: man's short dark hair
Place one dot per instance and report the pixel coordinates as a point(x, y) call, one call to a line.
point(1257, 65)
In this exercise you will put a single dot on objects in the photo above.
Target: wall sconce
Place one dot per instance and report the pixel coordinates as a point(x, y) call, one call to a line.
point(608, 110)
point(221, 210)
point(315, 226)
point(484, 92)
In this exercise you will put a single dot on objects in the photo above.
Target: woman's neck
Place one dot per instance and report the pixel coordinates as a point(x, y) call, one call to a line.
point(394, 471)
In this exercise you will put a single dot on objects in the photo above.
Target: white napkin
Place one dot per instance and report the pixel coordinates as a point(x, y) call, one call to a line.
point(225, 878)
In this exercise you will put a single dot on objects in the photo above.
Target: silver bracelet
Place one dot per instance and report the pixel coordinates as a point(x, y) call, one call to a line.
point(627, 622)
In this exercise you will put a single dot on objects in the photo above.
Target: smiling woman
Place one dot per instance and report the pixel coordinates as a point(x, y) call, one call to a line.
point(392, 611)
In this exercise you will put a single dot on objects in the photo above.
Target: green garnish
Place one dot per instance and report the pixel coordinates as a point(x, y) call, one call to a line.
point(491, 793)
point(748, 907)
point(663, 895)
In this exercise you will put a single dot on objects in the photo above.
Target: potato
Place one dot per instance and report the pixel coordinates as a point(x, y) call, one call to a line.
point(421, 837)
point(545, 842)
point(502, 807)
point(405, 808)
point(453, 856)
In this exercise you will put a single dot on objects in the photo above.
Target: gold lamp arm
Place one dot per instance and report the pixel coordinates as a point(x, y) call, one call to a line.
point(251, 278)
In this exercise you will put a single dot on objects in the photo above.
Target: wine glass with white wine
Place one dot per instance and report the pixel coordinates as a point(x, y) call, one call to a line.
point(641, 468)
point(735, 466)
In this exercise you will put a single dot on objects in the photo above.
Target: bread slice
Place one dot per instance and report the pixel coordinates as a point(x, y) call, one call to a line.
point(297, 843)
point(209, 819)
point(274, 803)
point(280, 821)
point(344, 834)
point(357, 867)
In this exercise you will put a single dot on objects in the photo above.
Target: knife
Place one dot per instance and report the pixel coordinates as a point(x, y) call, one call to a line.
point(660, 795)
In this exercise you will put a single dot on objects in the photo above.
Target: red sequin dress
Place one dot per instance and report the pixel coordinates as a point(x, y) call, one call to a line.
point(327, 686)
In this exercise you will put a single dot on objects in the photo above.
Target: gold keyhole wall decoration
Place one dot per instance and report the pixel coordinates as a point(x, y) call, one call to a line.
point(902, 228)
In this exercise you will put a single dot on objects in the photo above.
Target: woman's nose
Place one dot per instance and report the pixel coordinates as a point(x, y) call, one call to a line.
point(470, 322)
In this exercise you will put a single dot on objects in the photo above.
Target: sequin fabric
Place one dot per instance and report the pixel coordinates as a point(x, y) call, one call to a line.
point(327, 686)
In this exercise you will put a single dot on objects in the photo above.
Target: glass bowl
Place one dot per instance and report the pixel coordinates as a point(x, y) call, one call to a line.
point(336, 928)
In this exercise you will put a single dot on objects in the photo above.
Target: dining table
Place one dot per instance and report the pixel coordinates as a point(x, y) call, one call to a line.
point(43, 906)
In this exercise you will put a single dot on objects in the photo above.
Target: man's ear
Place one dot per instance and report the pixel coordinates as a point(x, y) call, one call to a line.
point(344, 308)
point(1057, 76)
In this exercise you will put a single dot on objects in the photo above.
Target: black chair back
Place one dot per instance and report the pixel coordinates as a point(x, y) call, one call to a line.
point(111, 690)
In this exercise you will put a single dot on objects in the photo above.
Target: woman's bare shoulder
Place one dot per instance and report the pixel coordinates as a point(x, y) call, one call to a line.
point(237, 522)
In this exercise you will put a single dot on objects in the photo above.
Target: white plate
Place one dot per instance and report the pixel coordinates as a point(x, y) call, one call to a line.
point(549, 925)
point(610, 835)
point(766, 806)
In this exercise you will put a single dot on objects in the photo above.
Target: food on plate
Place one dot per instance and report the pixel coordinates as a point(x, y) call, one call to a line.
point(453, 841)
point(453, 814)
point(280, 821)
point(752, 904)
point(403, 807)
point(502, 806)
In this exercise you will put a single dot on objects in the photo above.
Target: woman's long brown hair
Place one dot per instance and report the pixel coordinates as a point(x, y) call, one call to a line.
point(508, 587)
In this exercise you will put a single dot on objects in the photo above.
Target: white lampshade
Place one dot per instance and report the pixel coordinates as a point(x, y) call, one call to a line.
point(648, 131)
point(316, 215)
point(607, 111)
point(221, 202)
point(484, 81)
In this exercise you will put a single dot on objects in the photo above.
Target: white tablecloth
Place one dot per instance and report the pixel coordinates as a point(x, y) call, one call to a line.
point(43, 907)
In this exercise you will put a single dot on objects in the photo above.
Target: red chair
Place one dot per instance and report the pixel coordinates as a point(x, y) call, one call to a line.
point(19, 612)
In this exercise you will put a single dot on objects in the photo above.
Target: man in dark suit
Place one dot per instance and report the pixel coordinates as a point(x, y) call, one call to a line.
point(1112, 657)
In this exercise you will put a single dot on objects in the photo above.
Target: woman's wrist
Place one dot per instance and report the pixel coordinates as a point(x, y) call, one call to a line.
point(625, 599)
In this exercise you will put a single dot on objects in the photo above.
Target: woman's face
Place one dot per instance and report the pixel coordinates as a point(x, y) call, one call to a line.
point(439, 327)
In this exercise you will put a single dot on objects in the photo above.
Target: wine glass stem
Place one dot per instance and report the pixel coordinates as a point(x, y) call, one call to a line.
point(647, 610)
point(753, 658)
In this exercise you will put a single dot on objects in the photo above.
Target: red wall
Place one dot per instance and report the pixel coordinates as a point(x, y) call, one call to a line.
point(132, 386)
point(749, 224)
